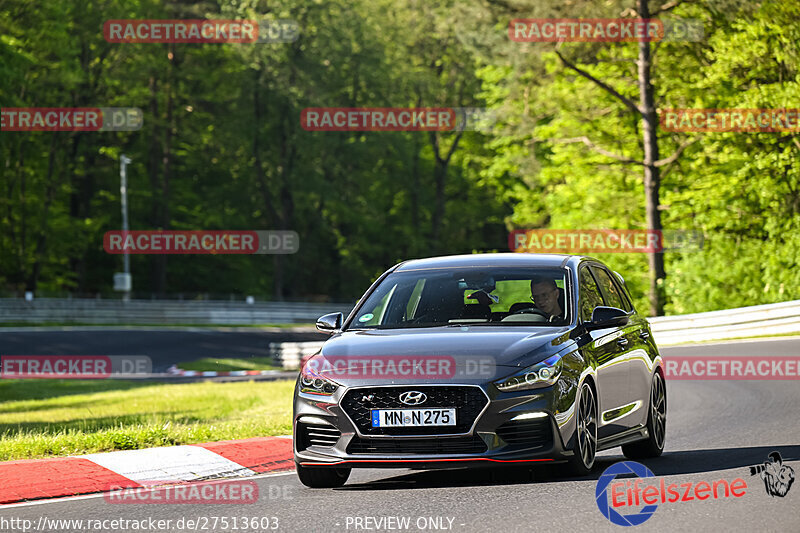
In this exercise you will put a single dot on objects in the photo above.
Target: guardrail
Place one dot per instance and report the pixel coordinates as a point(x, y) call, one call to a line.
point(287, 355)
point(166, 312)
point(770, 319)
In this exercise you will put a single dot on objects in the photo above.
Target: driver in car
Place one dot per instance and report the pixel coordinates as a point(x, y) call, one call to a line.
point(545, 296)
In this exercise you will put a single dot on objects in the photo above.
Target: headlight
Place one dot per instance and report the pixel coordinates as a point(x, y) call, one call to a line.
point(539, 375)
point(311, 382)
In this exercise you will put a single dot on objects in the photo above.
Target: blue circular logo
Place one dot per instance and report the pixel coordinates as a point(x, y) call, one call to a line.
point(602, 497)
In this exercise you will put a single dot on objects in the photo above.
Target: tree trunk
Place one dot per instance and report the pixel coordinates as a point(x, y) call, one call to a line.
point(440, 175)
point(440, 179)
point(159, 166)
point(166, 163)
point(414, 248)
point(153, 171)
point(80, 203)
point(276, 220)
point(286, 211)
point(50, 194)
point(651, 172)
point(287, 157)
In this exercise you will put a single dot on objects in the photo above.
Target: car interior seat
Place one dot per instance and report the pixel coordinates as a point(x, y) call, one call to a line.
point(441, 301)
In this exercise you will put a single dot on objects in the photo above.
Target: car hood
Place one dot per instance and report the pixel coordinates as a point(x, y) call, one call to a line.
point(498, 350)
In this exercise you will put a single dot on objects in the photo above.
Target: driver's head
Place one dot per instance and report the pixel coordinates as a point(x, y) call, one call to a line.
point(544, 293)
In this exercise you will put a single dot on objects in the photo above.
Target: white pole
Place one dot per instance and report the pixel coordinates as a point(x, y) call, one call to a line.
point(123, 189)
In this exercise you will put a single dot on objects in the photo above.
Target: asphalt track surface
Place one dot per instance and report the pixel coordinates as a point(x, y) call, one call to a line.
point(715, 430)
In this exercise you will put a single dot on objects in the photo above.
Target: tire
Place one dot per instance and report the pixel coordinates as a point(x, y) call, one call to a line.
point(653, 446)
point(322, 477)
point(585, 451)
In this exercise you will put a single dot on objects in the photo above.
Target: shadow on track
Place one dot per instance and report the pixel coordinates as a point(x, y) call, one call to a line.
point(669, 464)
point(710, 460)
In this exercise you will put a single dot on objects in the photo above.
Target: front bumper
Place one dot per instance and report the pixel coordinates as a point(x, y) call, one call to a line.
point(512, 428)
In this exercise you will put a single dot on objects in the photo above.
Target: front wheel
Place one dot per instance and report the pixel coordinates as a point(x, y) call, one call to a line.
point(582, 460)
point(653, 446)
point(322, 477)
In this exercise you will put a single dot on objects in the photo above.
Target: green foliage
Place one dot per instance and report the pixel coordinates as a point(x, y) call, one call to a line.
point(222, 146)
point(740, 189)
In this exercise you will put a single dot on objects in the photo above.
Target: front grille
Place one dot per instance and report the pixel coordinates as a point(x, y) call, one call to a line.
point(316, 434)
point(410, 446)
point(468, 402)
point(536, 433)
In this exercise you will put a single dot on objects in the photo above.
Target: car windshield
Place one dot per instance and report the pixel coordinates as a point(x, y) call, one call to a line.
point(469, 296)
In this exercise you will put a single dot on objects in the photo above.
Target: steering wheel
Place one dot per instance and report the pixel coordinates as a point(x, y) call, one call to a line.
point(532, 310)
point(419, 319)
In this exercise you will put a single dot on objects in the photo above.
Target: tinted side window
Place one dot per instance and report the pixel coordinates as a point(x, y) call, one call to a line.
point(610, 291)
point(589, 294)
point(623, 290)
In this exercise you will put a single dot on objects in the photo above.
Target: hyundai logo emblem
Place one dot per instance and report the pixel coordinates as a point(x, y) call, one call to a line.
point(413, 397)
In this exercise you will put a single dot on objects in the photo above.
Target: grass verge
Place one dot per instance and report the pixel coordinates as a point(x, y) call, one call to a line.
point(207, 364)
point(46, 418)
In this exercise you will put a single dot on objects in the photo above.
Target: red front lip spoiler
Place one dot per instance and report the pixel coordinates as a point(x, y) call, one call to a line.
point(427, 461)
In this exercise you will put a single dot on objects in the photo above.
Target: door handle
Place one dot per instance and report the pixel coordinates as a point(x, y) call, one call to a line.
point(622, 342)
point(644, 334)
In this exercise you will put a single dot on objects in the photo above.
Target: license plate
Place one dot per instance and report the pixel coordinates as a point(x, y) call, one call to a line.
point(387, 418)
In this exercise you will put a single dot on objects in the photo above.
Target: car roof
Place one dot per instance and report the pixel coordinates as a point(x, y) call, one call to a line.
point(492, 260)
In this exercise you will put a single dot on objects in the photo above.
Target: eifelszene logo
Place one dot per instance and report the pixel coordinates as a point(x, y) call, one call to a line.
point(778, 477)
point(627, 493)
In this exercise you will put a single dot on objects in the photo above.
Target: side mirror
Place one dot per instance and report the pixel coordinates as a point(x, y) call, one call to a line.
point(607, 317)
point(330, 323)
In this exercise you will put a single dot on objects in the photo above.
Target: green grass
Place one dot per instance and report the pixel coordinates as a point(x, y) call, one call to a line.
point(45, 418)
point(225, 365)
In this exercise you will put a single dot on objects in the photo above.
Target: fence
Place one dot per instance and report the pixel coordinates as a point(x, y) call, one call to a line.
point(162, 312)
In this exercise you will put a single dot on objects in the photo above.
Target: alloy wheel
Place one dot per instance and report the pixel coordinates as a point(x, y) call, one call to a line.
point(587, 427)
point(658, 410)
